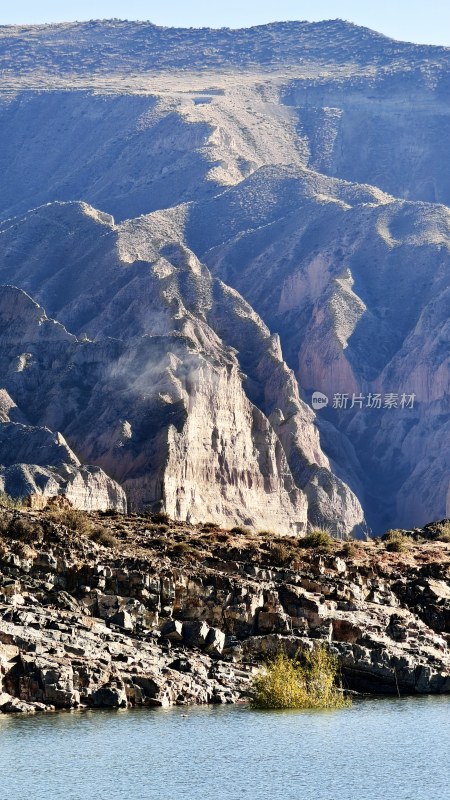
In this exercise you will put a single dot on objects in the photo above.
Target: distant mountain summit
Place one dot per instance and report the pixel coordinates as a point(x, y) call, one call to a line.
point(123, 46)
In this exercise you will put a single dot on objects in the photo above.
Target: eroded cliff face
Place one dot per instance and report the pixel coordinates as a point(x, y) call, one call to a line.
point(153, 384)
point(37, 464)
point(358, 288)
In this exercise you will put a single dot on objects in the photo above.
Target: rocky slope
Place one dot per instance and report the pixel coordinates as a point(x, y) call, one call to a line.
point(131, 117)
point(105, 611)
point(303, 163)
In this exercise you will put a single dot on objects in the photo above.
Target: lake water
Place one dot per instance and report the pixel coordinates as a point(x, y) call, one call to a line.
point(376, 750)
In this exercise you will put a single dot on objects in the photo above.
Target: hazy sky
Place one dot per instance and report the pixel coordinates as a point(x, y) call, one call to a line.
point(425, 21)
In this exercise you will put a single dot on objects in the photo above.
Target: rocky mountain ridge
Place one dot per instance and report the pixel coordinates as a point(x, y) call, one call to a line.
point(357, 285)
point(122, 46)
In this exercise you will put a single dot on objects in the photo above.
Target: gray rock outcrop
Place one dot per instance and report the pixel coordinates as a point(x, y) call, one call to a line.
point(168, 615)
point(38, 465)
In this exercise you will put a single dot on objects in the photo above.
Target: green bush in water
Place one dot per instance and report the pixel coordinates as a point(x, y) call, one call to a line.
point(306, 683)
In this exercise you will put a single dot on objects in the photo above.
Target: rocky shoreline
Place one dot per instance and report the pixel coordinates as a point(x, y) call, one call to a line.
point(105, 610)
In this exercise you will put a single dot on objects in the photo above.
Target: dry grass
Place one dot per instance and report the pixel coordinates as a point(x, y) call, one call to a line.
point(318, 538)
point(280, 554)
point(180, 549)
point(160, 519)
point(351, 549)
point(23, 529)
point(79, 522)
point(395, 541)
point(240, 531)
point(76, 521)
point(442, 531)
point(9, 502)
point(103, 536)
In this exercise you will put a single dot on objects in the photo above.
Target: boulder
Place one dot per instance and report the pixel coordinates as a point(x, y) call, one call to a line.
point(109, 697)
point(195, 633)
point(215, 642)
point(274, 622)
point(123, 620)
point(344, 630)
point(173, 630)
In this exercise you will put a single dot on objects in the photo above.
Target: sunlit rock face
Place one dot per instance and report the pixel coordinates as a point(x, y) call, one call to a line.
point(236, 220)
point(37, 465)
point(150, 386)
point(358, 290)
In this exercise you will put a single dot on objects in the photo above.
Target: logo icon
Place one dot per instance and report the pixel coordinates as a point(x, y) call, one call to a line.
point(319, 401)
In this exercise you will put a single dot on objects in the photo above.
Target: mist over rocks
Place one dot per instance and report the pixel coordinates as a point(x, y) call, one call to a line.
point(172, 384)
point(187, 209)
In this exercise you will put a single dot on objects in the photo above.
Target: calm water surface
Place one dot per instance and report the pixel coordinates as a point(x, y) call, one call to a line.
point(376, 750)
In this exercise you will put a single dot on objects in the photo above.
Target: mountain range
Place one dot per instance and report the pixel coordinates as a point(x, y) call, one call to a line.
point(200, 230)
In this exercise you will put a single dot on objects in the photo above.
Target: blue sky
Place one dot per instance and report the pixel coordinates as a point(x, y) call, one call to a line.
point(412, 20)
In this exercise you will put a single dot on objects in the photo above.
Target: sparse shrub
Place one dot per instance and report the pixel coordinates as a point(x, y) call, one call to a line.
point(223, 536)
point(239, 531)
point(110, 512)
point(442, 531)
point(25, 530)
point(209, 526)
point(196, 555)
point(396, 545)
point(4, 521)
point(280, 554)
point(395, 541)
point(291, 683)
point(392, 533)
point(8, 502)
point(180, 549)
point(162, 528)
point(160, 518)
point(350, 549)
point(103, 536)
point(75, 520)
point(317, 538)
point(158, 541)
point(153, 528)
